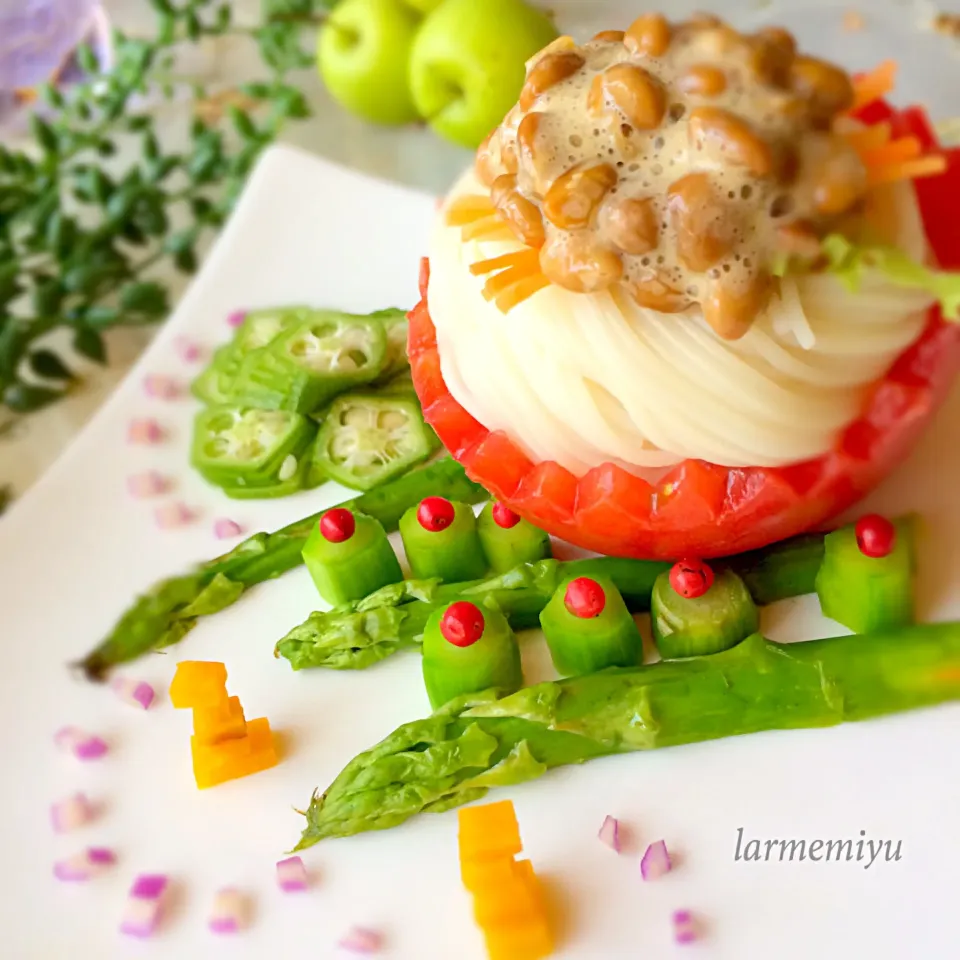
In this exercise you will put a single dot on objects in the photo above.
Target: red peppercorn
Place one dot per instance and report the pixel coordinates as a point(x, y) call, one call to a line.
point(584, 598)
point(504, 517)
point(876, 536)
point(337, 525)
point(691, 578)
point(435, 514)
point(462, 624)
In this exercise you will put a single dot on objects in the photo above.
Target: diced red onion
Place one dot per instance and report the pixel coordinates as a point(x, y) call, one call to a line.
point(361, 940)
point(655, 862)
point(236, 318)
point(84, 866)
point(188, 350)
point(148, 484)
point(225, 529)
point(145, 431)
point(161, 387)
point(292, 875)
point(229, 912)
point(172, 515)
point(141, 917)
point(71, 813)
point(137, 693)
point(684, 927)
point(84, 746)
point(610, 833)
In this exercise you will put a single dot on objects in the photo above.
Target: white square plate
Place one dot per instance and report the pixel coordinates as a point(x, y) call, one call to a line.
point(77, 548)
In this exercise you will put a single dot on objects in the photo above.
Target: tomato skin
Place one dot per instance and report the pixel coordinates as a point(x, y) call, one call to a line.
point(701, 509)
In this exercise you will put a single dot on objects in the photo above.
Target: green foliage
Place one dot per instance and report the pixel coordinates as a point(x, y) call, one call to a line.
point(78, 240)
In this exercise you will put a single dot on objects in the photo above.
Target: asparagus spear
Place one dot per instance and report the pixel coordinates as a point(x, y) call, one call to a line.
point(358, 635)
point(165, 614)
point(478, 742)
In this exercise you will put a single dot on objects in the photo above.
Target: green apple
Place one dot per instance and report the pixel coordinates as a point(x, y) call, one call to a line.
point(467, 64)
point(363, 55)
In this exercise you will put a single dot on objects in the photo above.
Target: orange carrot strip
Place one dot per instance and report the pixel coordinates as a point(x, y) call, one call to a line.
point(507, 278)
point(871, 86)
point(521, 291)
point(516, 259)
point(869, 138)
point(906, 148)
point(468, 208)
point(489, 228)
point(928, 166)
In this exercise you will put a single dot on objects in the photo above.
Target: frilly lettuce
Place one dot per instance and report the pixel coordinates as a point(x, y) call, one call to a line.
point(848, 261)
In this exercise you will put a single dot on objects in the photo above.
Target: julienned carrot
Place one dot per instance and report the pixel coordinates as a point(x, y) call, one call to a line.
point(929, 166)
point(521, 291)
point(896, 151)
point(516, 259)
point(468, 208)
point(871, 86)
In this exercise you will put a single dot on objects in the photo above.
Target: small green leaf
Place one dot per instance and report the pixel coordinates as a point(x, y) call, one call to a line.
point(106, 148)
point(47, 297)
point(151, 146)
point(194, 26)
point(100, 317)
point(186, 261)
point(86, 58)
point(45, 135)
point(224, 17)
point(45, 363)
point(242, 123)
point(89, 343)
point(144, 297)
point(166, 29)
point(25, 398)
point(52, 96)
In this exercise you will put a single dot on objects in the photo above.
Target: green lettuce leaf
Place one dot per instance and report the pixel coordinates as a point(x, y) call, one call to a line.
point(848, 261)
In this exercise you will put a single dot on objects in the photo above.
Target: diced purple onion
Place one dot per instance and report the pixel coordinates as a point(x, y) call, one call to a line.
point(145, 431)
point(684, 927)
point(141, 917)
point(84, 866)
point(148, 484)
point(292, 875)
point(610, 833)
point(188, 350)
point(225, 529)
point(655, 862)
point(84, 746)
point(137, 693)
point(161, 387)
point(236, 318)
point(73, 812)
point(229, 911)
point(361, 940)
point(172, 515)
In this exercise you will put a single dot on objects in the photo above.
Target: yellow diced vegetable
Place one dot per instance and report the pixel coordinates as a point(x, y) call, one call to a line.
point(224, 722)
point(489, 831)
point(198, 683)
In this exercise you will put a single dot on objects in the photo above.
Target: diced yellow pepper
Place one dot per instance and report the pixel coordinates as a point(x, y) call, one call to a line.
point(224, 722)
point(198, 683)
point(515, 899)
point(489, 831)
point(230, 759)
point(524, 941)
point(480, 875)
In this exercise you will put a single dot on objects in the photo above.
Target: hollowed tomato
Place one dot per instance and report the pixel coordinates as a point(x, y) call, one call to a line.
point(699, 508)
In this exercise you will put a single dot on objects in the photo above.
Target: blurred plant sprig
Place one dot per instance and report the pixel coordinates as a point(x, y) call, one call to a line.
point(80, 246)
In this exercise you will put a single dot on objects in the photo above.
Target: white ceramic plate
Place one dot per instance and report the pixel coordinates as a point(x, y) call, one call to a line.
point(77, 548)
